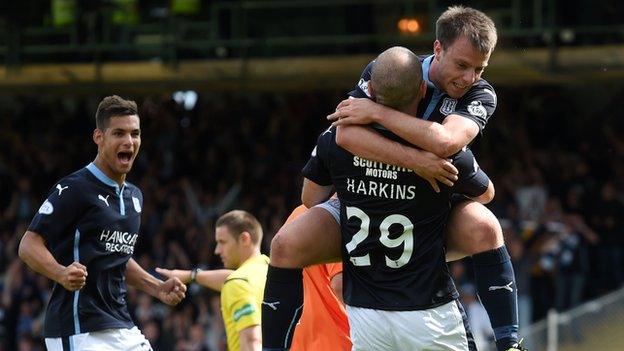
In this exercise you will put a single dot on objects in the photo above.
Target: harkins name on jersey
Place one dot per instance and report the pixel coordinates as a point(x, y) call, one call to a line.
point(380, 189)
point(383, 190)
point(118, 241)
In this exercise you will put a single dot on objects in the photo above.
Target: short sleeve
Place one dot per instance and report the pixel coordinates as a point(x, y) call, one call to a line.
point(361, 88)
point(317, 167)
point(63, 206)
point(240, 304)
point(472, 180)
point(478, 104)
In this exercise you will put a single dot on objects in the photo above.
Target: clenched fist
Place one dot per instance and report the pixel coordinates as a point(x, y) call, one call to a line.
point(73, 277)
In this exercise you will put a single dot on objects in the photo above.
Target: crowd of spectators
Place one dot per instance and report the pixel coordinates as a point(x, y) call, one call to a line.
point(557, 166)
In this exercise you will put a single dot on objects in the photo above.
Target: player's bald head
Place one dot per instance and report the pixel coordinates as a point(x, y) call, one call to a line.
point(396, 77)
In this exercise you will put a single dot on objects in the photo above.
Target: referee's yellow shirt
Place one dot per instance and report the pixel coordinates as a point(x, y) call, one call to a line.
point(241, 298)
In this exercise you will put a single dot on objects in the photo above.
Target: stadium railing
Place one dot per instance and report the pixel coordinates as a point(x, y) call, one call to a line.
point(594, 325)
point(239, 29)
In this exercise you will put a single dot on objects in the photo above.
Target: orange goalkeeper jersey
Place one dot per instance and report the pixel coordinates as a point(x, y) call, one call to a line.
point(323, 325)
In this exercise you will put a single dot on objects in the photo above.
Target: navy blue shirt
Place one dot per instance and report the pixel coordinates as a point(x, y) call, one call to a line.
point(477, 104)
point(87, 217)
point(392, 226)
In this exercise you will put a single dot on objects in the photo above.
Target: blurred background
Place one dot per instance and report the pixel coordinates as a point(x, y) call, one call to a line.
point(232, 96)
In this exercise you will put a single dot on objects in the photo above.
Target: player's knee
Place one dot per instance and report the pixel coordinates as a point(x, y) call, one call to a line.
point(473, 229)
point(489, 233)
point(283, 253)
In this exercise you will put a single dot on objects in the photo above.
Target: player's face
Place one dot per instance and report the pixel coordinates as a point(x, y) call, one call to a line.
point(227, 247)
point(118, 145)
point(459, 66)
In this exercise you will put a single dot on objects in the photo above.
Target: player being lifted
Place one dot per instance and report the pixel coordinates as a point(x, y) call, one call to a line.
point(397, 286)
point(461, 104)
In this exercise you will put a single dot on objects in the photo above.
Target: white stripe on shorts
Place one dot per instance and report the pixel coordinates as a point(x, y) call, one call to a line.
point(333, 207)
point(436, 329)
point(104, 340)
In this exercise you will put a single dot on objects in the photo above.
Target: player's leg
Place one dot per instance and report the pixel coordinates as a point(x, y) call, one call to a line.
point(474, 231)
point(312, 238)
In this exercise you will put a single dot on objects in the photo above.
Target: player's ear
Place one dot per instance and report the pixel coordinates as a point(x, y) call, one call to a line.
point(245, 238)
point(437, 49)
point(422, 89)
point(98, 136)
point(371, 90)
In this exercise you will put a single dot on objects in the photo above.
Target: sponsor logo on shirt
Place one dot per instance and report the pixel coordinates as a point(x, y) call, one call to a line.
point(243, 311)
point(104, 199)
point(118, 241)
point(60, 188)
point(46, 208)
point(477, 109)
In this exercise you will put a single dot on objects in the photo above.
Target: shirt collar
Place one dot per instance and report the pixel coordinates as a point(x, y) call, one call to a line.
point(103, 177)
point(426, 65)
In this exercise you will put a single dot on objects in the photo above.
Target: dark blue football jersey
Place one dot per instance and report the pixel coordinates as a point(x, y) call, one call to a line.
point(478, 104)
point(392, 226)
point(87, 217)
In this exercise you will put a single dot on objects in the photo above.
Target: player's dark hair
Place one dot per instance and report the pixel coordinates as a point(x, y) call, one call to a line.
point(396, 77)
point(113, 106)
point(239, 221)
point(474, 24)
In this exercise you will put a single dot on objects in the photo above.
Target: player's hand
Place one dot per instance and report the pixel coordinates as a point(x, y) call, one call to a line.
point(434, 169)
point(171, 291)
point(354, 111)
point(183, 275)
point(73, 277)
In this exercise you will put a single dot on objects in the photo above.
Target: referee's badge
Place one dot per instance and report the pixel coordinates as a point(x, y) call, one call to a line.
point(137, 204)
point(448, 106)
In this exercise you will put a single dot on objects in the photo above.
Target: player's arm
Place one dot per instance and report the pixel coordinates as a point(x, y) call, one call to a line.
point(250, 338)
point(211, 279)
point(473, 182)
point(33, 251)
point(317, 182)
point(366, 143)
point(238, 299)
point(444, 139)
point(487, 196)
point(171, 291)
point(313, 194)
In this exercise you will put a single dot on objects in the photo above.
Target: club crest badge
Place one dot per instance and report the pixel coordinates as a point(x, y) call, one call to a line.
point(137, 204)
point(448, 106)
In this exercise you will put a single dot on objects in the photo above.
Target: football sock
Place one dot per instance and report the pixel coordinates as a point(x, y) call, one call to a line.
point(282, 307)
point(496, 287)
